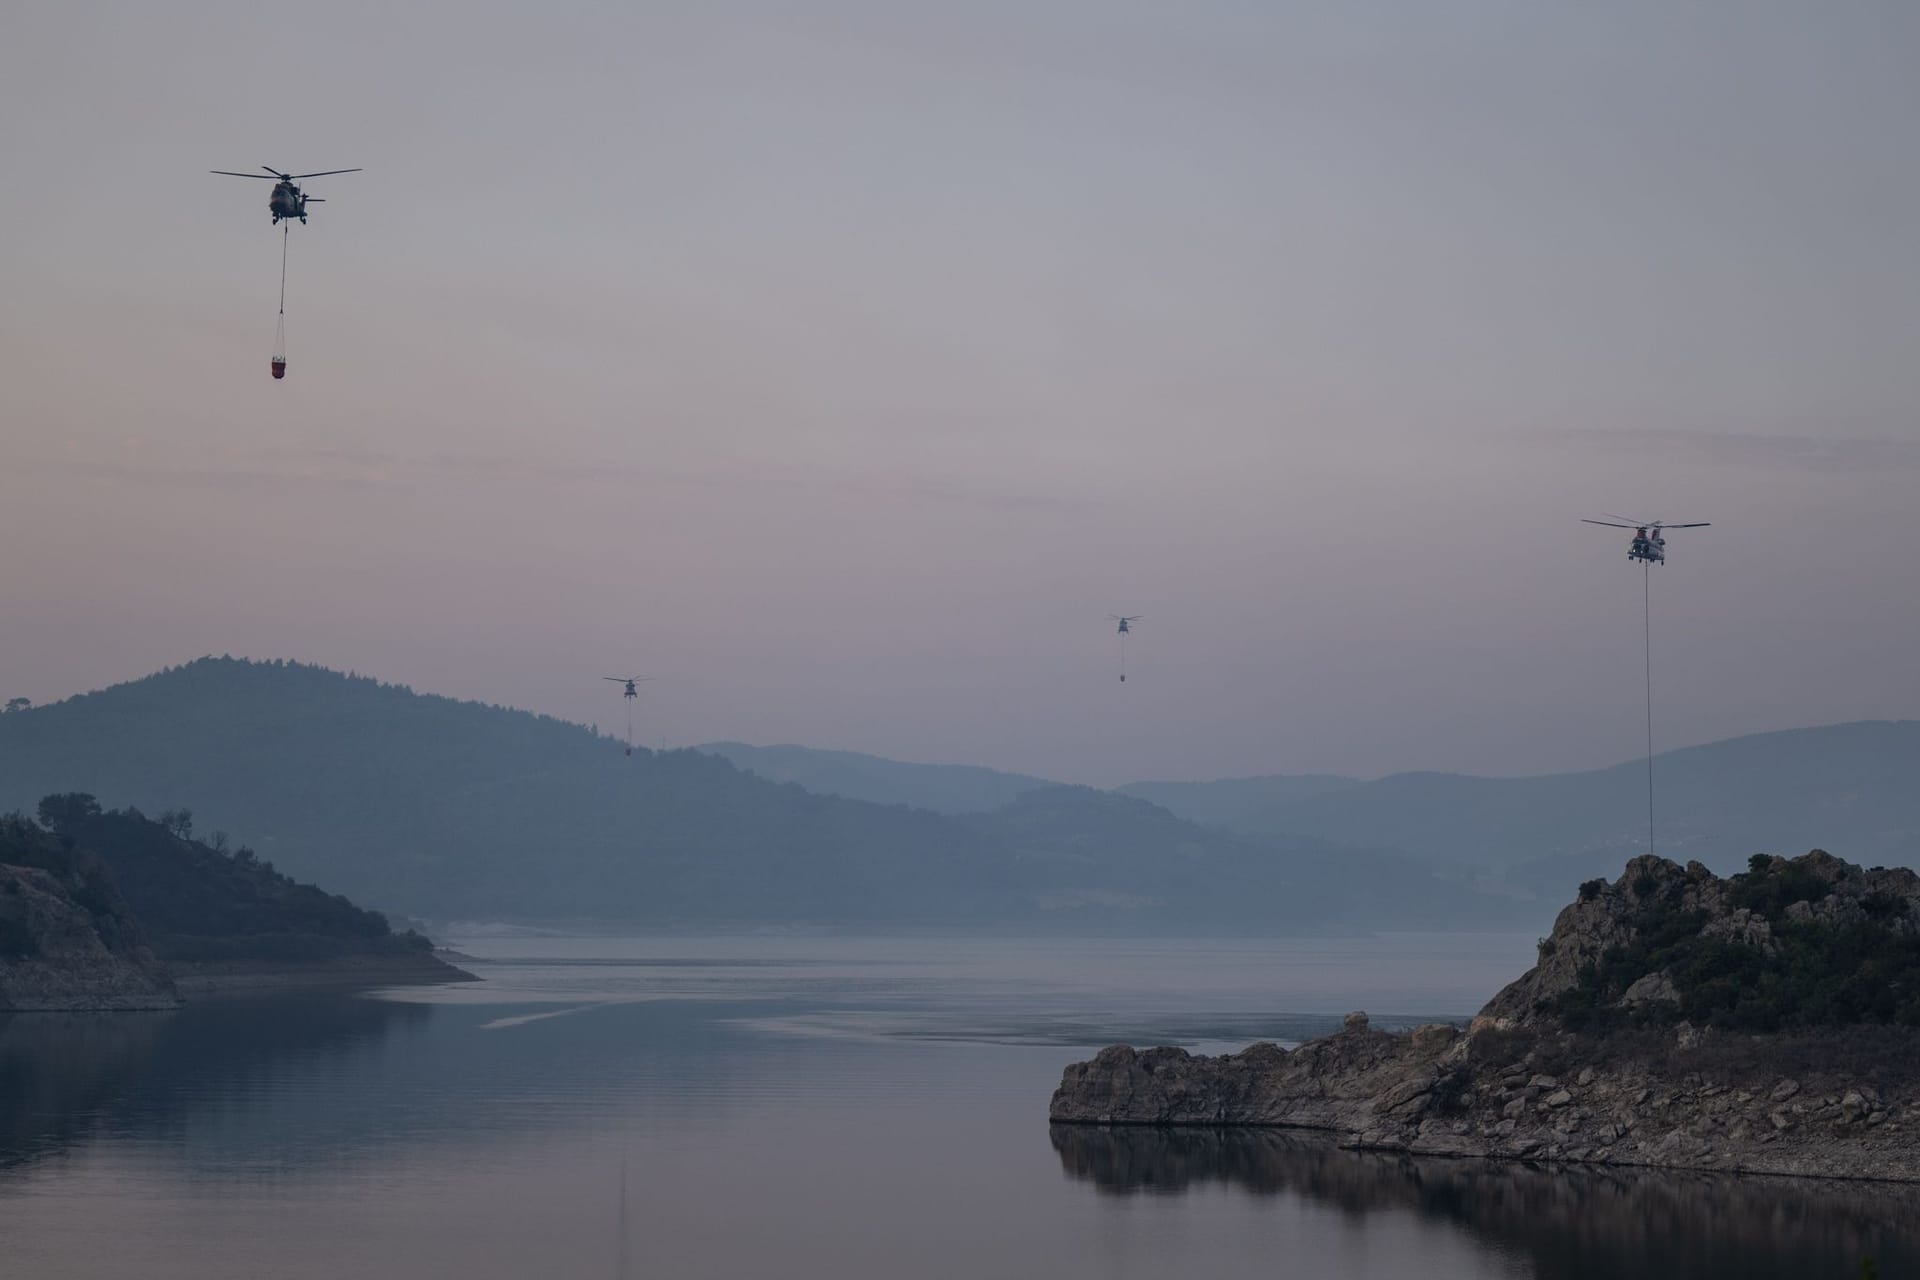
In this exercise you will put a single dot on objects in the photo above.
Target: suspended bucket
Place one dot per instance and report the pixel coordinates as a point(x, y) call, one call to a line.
point(280, 329)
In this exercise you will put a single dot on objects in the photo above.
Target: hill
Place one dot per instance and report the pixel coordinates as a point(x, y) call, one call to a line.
point(1846, 787)
point(461, 810)
point(67, 938)
point(205, 908)
point(1084, 848)
point(1841, 786)
point(1768, 1022)
point(943, 788)
point(966, 788)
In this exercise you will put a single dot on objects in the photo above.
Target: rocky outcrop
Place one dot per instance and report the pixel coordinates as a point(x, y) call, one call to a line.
point(60, 952)
point(1643, 1089)
point(1343, 1082)
point(1817, 889)
point(1388, 1092)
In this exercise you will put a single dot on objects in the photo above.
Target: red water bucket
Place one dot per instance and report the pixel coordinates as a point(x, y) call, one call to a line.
point(279, 367)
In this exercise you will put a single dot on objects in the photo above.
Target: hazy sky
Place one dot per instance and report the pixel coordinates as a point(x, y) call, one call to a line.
point(844, 364)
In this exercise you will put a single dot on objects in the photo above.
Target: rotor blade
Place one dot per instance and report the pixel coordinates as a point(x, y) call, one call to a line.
point(275, 172)
point(1698, 524)
point(1611, 524)
point(231, 174)
point(324, 173)
point(1614, 515)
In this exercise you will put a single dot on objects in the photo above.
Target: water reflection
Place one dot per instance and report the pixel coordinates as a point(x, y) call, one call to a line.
point(1571, 1224)
point(305, 1086)
point(68, 1077)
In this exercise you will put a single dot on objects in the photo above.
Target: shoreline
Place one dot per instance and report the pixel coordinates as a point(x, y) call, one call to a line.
point(345, 973)
point(1538, 1163)
point(1762, 1106)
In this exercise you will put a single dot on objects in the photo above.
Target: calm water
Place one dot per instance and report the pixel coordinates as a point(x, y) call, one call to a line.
point(808, 1107)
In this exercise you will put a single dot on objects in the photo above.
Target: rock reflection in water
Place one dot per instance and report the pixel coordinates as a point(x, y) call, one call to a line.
point(1571, 1223)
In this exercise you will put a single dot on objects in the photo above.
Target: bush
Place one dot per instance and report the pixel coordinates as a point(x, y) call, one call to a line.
point(1817, 974)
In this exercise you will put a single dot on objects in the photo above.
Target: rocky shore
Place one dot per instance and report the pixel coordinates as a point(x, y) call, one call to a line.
point(72, 940)
point(1585, 1060)
point(59, 953)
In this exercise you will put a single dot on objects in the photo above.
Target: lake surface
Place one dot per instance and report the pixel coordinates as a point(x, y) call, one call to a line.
point(695, 1107)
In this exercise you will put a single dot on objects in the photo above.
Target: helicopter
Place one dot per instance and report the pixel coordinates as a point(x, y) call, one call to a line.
point(287, 199)
point(1125, 629)
point(1648, 545)
point(630, 693)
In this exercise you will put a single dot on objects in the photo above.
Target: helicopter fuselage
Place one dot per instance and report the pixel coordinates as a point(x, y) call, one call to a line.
point(1651, 548)
point(287, 201)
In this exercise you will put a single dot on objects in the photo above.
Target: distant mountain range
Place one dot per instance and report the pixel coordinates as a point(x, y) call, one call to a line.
point(460, 810)
point(1237, 803)
point(1853, 789)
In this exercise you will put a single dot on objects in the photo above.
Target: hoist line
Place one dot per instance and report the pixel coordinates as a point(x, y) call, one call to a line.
point(280, 326)
point(1646, 615)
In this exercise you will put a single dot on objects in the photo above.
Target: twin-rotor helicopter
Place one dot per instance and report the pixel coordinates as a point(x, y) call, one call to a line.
point(1648, 545)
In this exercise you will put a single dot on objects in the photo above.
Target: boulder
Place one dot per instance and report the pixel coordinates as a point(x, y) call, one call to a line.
point(1654, 988)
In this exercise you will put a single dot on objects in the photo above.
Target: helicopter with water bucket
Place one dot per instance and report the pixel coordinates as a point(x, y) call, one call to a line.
point(286, 200)
point(1124, 630)
point(630, 693)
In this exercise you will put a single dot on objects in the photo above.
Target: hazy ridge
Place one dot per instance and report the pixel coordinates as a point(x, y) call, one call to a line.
point(1853, 789)
point(453, 809)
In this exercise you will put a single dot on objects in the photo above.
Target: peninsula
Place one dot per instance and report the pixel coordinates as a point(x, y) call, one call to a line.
point(110, 909)
point(1766, 1022)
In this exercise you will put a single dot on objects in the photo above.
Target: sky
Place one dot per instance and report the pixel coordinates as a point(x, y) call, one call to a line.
point(843, 366)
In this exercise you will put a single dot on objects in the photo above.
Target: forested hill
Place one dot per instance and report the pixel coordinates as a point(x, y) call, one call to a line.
point(202, 902)
point(451, 809)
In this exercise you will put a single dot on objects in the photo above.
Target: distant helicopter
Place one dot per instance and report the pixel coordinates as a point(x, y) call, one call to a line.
point(287, 199)
point(630, 693)
point(1648, 545)
point(1125, 629)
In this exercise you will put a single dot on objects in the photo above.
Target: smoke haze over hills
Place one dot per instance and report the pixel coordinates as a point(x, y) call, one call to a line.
point(452, 809)
point(845, 367)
